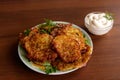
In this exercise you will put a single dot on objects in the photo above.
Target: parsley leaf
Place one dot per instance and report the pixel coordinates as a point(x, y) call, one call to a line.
point(108, 16)
point(26, 32)
point(49, 68)
point(87, 41)
point(47, 26)
point(43, 31)
point(49, 22)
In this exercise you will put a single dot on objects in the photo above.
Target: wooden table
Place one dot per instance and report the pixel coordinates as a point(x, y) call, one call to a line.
point(18, 15)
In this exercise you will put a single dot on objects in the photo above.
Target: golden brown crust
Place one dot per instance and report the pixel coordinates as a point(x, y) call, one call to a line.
point(72, 32)
point(38, 47)
point(67, 48)
point(82, 61)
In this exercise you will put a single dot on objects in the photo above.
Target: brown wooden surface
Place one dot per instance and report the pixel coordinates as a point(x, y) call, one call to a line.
point(17, 15)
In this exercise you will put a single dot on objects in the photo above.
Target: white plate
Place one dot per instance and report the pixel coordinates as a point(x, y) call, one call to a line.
point(24, 59)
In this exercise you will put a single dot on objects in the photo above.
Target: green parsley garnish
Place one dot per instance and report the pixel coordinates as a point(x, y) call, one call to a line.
point(48, 23)
point(108, 16)
point(26, 32)
point(49, 68)
point(43, 31)
point(87, 41)
point(47, 26)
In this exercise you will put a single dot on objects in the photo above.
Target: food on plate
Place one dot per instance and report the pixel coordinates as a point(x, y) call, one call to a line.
point(67, 48)
point(38, 47)
point(80, 62)
point(55, 46)
point(70, 31)
point(99, 23)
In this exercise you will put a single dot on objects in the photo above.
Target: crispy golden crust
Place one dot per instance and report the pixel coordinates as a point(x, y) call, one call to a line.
point(76, 34)
point(63, 66)
point(86, 53)
point(23, 38)
point(38, 47)
point(67, 48)
point(70, 31)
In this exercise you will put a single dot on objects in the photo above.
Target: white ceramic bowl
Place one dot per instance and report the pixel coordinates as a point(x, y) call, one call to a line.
point(98, 29)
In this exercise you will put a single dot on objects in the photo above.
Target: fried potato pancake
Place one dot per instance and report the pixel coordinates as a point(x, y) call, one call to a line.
point(38, 47)
point(73, 32)
point(67, 48)
point(82, 61)
point(76, 34)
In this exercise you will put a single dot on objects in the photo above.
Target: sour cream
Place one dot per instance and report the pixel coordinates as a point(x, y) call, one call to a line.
point(97, 23)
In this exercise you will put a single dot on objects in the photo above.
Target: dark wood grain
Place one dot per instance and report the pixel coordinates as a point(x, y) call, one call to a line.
point(17, 15)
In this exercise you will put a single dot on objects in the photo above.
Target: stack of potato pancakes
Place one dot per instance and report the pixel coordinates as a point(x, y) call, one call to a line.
point(61, 45)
